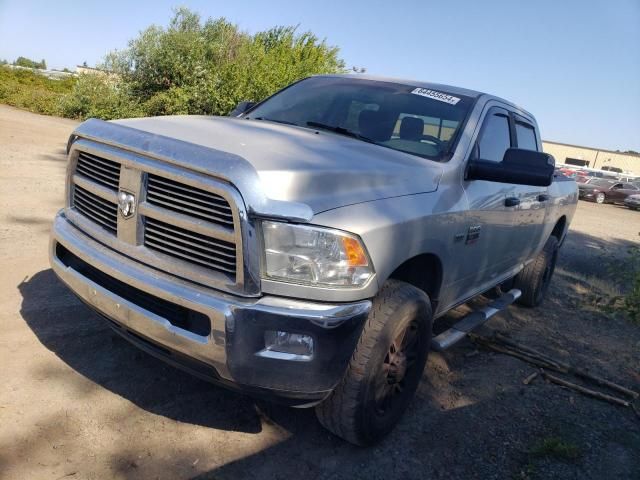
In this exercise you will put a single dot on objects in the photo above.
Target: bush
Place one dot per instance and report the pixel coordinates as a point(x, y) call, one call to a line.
point(95, 96)
point(196, 67)
point(28, 63)
point(33, 92)
point(625, 274)
point(189, 67)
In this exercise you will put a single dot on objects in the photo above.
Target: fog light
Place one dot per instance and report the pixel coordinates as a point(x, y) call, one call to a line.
point(287, 346)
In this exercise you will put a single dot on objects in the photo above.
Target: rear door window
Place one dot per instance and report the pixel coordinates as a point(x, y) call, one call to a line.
point(526, 136)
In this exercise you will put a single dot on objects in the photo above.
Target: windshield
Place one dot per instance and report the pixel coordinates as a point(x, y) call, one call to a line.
point(403, 117)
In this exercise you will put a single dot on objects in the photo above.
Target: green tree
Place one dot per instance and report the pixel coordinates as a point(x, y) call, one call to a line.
point(206, 67)
point(27, 62)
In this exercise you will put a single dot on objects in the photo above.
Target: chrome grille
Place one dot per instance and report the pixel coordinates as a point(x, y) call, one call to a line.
point(193, 247)
point(99, 210)
point(100, 170)
point(188, 200)
point(190, 230)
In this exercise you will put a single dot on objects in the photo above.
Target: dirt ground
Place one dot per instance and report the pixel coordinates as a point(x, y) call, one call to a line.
point(78, 402)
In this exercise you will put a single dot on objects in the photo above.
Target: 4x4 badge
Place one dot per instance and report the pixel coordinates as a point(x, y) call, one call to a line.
point(126, 204)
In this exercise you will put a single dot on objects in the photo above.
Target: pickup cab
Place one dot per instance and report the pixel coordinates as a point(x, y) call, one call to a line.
point(302, 249)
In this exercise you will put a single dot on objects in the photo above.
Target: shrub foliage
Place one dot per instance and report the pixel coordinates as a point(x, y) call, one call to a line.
point(197, 67)
point(33, 92)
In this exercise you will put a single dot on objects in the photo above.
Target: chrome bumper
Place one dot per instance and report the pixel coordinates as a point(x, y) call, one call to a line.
point(235, 340)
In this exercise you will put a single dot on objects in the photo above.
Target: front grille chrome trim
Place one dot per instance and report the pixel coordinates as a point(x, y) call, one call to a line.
point(208, 249)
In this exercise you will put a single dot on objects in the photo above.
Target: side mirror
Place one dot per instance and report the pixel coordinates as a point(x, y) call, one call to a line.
point(522, 167)
point(241, 108)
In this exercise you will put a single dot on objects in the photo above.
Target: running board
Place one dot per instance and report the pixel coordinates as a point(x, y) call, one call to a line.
point(450, 337)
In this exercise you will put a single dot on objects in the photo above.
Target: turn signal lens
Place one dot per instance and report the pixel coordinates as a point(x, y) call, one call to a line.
point(354, 252)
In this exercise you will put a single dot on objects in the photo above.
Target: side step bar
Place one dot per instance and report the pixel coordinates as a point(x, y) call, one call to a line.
point(450, 337)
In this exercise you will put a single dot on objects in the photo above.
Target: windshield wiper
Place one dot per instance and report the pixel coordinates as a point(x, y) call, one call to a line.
point(274, 120)
point(340, 131)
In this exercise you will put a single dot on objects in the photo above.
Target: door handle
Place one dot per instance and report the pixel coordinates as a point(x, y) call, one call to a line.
point(511, 201)
point(543, 197)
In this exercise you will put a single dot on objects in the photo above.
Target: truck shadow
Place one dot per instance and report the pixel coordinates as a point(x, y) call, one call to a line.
point(83, 340)
point(470, 404)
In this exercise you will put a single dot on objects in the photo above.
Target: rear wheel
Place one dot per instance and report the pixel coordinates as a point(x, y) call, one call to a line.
point(600, 197)
point(535, 278)
point(385, 368)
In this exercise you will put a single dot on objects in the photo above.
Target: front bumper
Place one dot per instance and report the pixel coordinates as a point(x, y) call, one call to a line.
point(586, 194)
point(211, 334)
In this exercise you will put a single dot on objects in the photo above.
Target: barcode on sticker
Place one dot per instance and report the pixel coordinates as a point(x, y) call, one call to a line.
point(443, 97)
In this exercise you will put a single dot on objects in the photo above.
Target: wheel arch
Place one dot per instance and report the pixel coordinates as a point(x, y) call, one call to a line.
point(560, 229)
point(423, 271)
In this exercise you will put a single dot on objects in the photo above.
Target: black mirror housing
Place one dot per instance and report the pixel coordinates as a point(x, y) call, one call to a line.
point(241, 108)
point(518, 166)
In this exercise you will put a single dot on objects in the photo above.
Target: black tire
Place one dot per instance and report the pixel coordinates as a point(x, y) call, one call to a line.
point(600, 198)
point(535, 278)
point(352, 411)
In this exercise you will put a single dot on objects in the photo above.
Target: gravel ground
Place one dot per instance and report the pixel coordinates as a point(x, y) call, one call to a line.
point(78, 402)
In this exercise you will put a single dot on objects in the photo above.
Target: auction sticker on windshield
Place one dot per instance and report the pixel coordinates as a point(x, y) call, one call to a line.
point(443, 97)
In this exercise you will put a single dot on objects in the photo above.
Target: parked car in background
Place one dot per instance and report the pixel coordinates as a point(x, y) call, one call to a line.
point(583, 179)
point(602, 190)
point(633, 201)
point(567, 172)
point(629, 179)
point(598, 173)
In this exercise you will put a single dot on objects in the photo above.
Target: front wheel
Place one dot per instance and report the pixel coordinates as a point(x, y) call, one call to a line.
point(600, 198)
point(534, 279)
point(385, 369)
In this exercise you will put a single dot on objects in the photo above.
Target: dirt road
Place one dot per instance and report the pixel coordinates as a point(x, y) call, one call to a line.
point(77, 402)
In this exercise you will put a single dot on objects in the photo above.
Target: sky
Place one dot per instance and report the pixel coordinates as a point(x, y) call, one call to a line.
point(574, 64)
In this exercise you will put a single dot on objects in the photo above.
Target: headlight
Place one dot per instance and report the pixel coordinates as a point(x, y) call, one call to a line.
point(314, 255)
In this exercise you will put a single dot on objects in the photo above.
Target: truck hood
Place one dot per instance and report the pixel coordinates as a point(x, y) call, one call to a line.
point(269, 161)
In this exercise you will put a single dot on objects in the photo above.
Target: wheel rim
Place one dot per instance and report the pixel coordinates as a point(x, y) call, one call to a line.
point(600, 198)
point(398, 365)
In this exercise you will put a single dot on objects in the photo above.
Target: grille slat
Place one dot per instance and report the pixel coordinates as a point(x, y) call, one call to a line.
point(96, 211)
point(100, 170)
point(103, 161)
point(189, 246)
point(153, 233)
point(101, 211)
point(152, 198)
point(171, 201)
point(194, 259)
point(108, 210)
point(108, 171)
point(168, 195)
point(184, 234)
point(192, 201)
point(188, 189)
point(193, 250)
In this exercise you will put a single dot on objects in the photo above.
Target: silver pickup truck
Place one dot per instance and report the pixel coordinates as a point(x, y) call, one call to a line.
point(301, 249)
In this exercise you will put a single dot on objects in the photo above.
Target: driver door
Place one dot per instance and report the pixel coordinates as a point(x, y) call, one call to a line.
point(620, 191)
point(492, 246)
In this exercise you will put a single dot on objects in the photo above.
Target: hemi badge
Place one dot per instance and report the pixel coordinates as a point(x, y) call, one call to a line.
point(473, 234)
